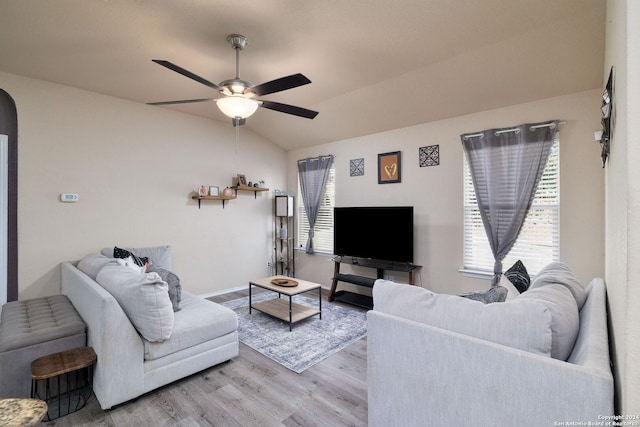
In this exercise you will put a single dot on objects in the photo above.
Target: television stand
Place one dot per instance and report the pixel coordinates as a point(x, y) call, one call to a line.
point(380, 266)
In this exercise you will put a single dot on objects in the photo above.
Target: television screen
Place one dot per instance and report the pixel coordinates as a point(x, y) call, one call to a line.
point(377, 232)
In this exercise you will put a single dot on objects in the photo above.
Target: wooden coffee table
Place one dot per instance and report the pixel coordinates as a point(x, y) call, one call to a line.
point(281, 308)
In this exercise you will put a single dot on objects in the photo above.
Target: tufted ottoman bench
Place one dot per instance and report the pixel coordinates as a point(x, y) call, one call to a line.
point(30, 329)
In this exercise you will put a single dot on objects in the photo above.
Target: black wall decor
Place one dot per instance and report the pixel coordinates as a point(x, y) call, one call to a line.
point(607, 118)
point(429, 155)
point(356, 167)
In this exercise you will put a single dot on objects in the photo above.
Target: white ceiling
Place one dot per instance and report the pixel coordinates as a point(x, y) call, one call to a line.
point(375, 64)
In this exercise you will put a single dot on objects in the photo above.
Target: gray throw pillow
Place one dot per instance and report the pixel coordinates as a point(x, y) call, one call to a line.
point(175, 289)
point(488, 296)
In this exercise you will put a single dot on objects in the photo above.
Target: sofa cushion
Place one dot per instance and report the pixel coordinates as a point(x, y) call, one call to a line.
point(518, 276)
point(558, 273)
point(565, 319)
point(144, 297)
point(200, 320)
point(158, 255)
point(93, 263)
point(524, 324)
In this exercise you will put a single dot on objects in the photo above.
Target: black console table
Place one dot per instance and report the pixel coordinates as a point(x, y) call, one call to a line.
point(380, 266)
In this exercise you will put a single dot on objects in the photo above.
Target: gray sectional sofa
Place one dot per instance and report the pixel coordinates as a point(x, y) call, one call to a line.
point(140, 341)
point(539, 359)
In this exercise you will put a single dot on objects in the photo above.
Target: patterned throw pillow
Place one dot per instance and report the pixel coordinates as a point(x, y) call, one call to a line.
point(123, 253)
point(518, 276)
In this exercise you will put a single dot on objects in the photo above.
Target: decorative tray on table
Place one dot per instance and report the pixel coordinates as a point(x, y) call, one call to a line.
point(284, 281)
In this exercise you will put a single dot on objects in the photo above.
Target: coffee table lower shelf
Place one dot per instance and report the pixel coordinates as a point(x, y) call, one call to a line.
point(279, 308)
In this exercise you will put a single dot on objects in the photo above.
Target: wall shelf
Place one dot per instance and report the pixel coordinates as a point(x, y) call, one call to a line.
point(223, 198)
point(247, 188)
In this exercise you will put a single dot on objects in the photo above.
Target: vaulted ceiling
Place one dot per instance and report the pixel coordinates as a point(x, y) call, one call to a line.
point(375, 64)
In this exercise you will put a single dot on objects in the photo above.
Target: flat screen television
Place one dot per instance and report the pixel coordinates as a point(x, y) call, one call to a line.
point(377, 232)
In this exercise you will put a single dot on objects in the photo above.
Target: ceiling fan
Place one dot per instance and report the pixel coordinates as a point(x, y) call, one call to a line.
point(239, 101)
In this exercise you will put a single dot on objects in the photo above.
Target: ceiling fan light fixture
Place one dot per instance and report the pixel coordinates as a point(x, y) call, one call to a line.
point(237, 107)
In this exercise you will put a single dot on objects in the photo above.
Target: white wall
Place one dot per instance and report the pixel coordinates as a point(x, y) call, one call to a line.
point(623, 201)
point(436, 191)
point(134, 167)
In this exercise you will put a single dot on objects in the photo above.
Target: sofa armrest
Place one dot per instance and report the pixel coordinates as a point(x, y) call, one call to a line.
point(422, 375)
point(119, 372)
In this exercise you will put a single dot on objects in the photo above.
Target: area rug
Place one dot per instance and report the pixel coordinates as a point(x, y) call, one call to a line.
point(311, 341)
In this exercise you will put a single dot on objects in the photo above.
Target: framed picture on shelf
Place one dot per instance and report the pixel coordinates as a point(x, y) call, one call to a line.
point(214, 190)
point(242, 180)
point(389, 168)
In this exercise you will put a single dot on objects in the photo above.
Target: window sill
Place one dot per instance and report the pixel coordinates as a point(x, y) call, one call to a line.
point(477, 274)
point(317, 252)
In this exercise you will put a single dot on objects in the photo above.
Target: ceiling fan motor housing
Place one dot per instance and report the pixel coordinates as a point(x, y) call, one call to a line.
point(237, 41)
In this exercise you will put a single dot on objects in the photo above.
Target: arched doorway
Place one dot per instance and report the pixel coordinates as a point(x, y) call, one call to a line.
point(8, 198)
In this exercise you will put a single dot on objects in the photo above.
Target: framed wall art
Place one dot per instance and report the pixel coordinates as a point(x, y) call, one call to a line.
point(242, 180)
point(389, 168)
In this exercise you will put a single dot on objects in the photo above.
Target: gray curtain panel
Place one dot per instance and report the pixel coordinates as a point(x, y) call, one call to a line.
point(313, 173)
point(506, 165)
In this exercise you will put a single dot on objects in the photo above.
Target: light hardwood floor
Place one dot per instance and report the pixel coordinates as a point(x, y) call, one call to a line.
point(250, 390)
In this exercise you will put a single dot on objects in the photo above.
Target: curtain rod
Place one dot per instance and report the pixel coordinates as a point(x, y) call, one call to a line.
point(498, 132)
point(315, 159)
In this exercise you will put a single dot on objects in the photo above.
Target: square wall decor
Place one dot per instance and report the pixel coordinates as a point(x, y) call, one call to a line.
point(429, 155)
point(356, 167)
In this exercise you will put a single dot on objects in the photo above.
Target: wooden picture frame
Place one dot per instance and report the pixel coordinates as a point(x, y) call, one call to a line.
point(242, 180)
point(389, 168)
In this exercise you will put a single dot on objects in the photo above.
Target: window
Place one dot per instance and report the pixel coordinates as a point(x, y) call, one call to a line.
point(539, 240)
point(323, 231)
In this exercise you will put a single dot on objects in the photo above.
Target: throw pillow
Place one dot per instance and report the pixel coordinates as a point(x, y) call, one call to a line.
point(488, 296)
point(512, 292)
point(518, 276)
point(130, 263)
point(123, 253)
point(558, 273)
point(175, 289)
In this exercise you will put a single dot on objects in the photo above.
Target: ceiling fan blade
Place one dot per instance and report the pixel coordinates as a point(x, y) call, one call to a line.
point(277, 85)
point(186, 73)
point(289, 109)
point(183, 101)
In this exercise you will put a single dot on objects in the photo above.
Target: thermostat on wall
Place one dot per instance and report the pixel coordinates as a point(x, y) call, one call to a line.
point(68, 198)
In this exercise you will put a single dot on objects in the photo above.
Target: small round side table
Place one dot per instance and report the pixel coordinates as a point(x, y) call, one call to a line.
point(22, 412)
